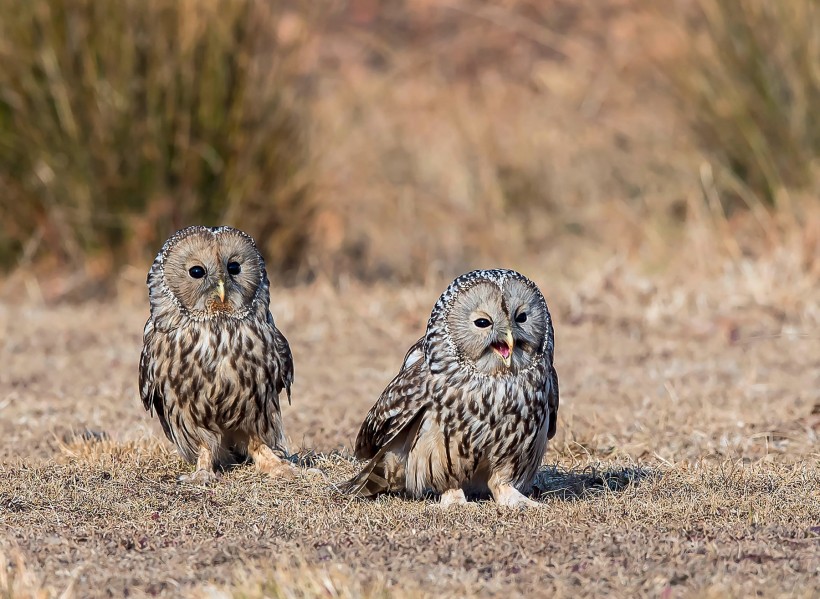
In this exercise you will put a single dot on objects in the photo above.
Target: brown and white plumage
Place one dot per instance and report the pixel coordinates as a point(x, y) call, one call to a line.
point(213, 362)
point(475, 401)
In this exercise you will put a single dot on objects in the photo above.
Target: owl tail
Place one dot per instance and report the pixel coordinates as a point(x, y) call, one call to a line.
point(370, 481)
point(385, 473)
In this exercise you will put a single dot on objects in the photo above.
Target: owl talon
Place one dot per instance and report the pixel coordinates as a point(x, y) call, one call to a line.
point(268, 462)
point(199, 477)
point(282, 471)
point(451, 498)
point(315, 473)
point(509, 496)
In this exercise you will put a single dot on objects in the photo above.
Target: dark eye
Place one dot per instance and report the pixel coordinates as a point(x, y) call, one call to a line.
point(522, 317)
point(196, 272)
point(482, 323)
point(234, 268)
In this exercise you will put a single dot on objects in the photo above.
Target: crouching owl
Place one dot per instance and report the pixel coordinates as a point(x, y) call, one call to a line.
point(475, 400)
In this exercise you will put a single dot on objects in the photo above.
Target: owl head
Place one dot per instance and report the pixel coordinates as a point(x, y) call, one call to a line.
point(493, 322)
point(205, 273)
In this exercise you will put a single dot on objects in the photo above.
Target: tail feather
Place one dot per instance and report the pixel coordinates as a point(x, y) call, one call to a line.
point(370, 481)
point(382, 474)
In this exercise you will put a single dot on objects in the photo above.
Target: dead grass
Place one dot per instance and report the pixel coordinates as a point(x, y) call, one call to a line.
point(120, 524)
point(746, 83)
point(686, 462)
point(19, 581)
point(443, 136)
point(486, 133)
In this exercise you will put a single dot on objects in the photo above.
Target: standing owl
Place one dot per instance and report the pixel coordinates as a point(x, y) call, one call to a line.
point(475, 401)
point(213, 362)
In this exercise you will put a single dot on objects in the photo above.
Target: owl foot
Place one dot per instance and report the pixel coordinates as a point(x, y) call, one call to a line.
point(509, 496)
point(450, 498)
point(204, 473)
point(282, 470)
point(271, 464)
point(314, 473)
point(199, 477)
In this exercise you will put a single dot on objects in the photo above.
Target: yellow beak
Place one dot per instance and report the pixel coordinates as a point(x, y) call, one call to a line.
point(505, 351)
point(510, 344)
point(220, 291)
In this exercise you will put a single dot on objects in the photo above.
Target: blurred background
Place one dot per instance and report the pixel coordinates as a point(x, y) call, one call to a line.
point(406, 140)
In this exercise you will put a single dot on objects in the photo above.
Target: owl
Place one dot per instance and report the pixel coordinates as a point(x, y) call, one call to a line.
point(475, 400)
point(213, 362)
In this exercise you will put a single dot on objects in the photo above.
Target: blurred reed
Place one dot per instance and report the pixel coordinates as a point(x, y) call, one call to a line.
point(122, 121)
point(749, 83)
point(444, 137)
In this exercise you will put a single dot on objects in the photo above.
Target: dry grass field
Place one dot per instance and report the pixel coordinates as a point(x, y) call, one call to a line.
point(652, 166)
point(686, 463)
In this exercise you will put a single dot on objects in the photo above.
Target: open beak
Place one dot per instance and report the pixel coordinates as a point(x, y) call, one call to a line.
point(505, 348)
point(220, 291)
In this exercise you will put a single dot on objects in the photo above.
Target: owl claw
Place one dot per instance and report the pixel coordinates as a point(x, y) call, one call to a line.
point(199, 477)
point(509, 496)
point(314, 473)
point(525, 503)
point(278, 470)
point(450, 498)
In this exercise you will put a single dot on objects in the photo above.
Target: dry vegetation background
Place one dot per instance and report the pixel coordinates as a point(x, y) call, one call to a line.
point(653, 166)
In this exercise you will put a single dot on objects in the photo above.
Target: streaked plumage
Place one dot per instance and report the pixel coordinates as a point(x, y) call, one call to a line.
point(475, 401)
point(213, 362)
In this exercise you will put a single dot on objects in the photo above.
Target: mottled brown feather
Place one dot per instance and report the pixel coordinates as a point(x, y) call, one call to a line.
point(396, 407)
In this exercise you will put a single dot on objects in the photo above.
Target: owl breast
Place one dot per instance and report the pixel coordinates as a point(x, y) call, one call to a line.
point(224, 383)
point(477, 427)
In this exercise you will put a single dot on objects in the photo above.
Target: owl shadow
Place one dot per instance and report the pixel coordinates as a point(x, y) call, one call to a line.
point(573, 485)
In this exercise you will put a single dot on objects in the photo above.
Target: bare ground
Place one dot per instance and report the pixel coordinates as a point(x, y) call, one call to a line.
point(686, 463)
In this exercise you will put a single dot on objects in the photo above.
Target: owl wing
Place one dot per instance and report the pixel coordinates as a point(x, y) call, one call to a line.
point(284, 359)
point(396, 408)
point(552, 400)
point(150, 391)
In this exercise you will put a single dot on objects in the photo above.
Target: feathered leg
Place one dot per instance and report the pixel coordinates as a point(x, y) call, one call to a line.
point(452, 497)
point(204, 472)
point(268, 462)
point(386, 470)
point(506, 494)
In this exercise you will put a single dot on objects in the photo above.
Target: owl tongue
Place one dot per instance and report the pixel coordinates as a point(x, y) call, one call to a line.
point(502, 348)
